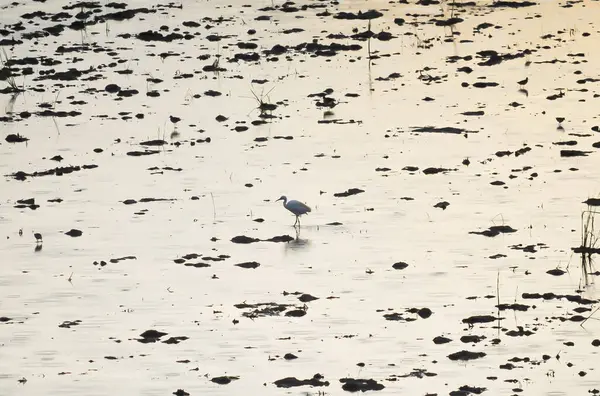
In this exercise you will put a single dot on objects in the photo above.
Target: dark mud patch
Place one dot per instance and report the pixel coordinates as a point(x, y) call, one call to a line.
point(224, 380)
point(142, 153)
point(248, 265)
point(362, 385)
point(59, 171)
point(145, 200)
point(27, 203)
point(103, 263)
point(175, 340)
point(423, 313)
point(556, 272)
point(185, 260)
point(466, 355)
point(467, 390)
point(15, 138)
point(471, 320)
point(513, 307)
point(416, 373)
point(434, 171)
point(400, 265)
point(574, 153)
point(441, 340)
point(291, 382)
point(151, 336)
point(349, 192)
point(519, 332)
point(494, 231)
point(592, 201)
point(262, 309)
point(472, 339)
point(74, 233)
point(69, 323)
point(307, 298)
point(246, 240)
point(551, 296)
point(156, 142)
point(512, 4)
point(448, 130)
point(442, 205)
point(296, 313)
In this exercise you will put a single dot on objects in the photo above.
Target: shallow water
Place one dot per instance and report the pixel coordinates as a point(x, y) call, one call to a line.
point(449, 272)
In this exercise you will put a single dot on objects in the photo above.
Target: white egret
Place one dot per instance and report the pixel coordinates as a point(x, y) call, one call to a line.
point(296, 207)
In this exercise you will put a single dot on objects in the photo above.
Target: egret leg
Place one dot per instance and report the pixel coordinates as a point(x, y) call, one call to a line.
point(297, 221)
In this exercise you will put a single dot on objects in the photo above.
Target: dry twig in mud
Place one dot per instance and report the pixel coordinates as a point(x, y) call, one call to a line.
point(589, 317)
point(498, 300)
point(214, 209)
point(264, 107)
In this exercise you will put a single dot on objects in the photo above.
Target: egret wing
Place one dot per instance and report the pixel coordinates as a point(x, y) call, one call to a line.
point(297, 207)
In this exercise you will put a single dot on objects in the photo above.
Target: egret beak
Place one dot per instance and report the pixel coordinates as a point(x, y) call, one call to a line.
point(278, 199)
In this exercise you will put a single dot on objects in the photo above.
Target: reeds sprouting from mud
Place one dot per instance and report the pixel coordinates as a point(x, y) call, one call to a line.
point(9, 78)
point(589, 244)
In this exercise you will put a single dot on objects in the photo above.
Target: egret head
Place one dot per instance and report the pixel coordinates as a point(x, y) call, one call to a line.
point(282, 198)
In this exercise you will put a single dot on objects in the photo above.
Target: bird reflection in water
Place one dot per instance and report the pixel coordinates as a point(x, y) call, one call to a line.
point(297, 243)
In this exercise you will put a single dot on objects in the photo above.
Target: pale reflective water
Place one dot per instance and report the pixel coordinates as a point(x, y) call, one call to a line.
point(348, 266)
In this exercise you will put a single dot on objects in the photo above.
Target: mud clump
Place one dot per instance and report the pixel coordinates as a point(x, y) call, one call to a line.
point(69, 323)
point(349, 192)
point(262, 309)
point(15, 138)
point(495, 231)
point(248, 265)
point(441, 340)
point(224, 380)
point(151, 336)
point(479, 319)
point(307, 298)
point(296, 313)
point(27, 203)
point(74, 233)
point(466, 355)
point(362, 385)
point(291, 382)
point(244, 239)
point(60, 171)
point(280, 238)
point(574, 153)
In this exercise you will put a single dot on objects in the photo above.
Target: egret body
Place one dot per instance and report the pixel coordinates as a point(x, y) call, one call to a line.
point(296, 207)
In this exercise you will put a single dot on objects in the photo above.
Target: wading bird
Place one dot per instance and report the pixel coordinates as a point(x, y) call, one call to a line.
point(38, 237)
point(296, 207)
point(522, 83)
point(174, 119)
